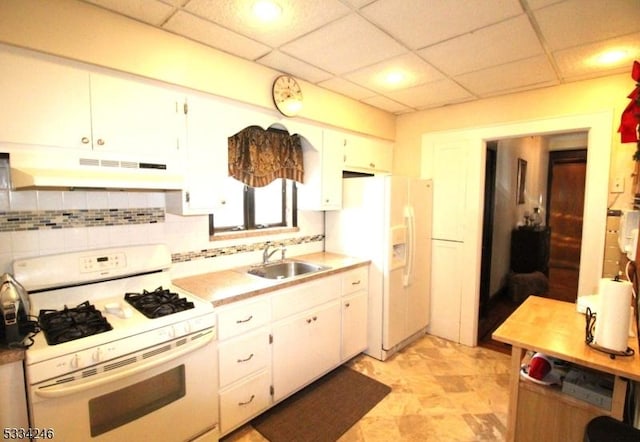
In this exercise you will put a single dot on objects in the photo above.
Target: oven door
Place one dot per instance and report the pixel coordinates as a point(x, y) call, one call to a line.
point(172, 399)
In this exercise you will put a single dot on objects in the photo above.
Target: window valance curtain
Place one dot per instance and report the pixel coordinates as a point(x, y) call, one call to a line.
point(258, 156)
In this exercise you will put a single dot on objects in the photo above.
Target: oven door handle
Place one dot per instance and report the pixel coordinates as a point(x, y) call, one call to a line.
point(66, 389)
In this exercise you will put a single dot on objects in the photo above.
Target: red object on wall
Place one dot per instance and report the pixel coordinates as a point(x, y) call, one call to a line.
point(630, 118)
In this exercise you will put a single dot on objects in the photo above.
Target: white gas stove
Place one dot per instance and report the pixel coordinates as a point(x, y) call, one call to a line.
point(109, 316)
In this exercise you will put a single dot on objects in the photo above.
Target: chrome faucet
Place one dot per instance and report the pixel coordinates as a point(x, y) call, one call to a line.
point(266, 254)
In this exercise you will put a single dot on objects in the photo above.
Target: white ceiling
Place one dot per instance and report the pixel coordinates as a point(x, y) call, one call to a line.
point(452, 50)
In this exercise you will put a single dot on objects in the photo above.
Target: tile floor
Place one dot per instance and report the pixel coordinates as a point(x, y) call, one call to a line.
point(441, 391)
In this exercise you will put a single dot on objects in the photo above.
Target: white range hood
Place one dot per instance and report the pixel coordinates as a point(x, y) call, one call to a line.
point(138, 179)
point(68, 169)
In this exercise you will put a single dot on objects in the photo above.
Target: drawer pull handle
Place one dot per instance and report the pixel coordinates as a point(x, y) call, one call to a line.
point(246, 359)
point(356, 282)
point(241, 321)
point(347, 304)
point(253, 396)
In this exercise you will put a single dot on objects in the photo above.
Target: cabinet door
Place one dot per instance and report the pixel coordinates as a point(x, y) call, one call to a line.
point(331, 194)
point(446, 289)
point(367, 154)
point(135, 119)
point(354, 324)
point(43, 103)
point(449, 190)
point(304, 347)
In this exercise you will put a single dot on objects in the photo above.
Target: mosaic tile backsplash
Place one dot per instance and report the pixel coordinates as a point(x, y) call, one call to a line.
point(15, 221)
point(241, 248)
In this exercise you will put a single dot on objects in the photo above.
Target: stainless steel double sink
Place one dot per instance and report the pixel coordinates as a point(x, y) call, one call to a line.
point(285, 269)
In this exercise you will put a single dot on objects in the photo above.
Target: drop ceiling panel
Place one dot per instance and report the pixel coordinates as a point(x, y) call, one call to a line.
point(195, 28)
point(285, 63)
point(578, 63)
point(344, 46)
point(510, 40)
point(575, 22)
point(298, 17)
point(149, 11)
point(530, 73)
point(387, 104)
point(420, 23)
point(432, 94)
point(415, 70)
point(345, 87)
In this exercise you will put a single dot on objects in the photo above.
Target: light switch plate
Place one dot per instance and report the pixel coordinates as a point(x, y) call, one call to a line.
point(618, 185)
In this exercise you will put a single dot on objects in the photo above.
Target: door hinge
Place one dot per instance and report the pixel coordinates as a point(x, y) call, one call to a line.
point(271, 390)
point(270, 338)
point(187, 197)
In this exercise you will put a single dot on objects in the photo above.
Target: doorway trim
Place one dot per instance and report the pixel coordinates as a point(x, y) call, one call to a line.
point(599, 126)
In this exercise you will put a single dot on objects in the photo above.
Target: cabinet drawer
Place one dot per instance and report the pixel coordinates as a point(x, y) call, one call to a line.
point(241, 356)
point(239, 404)
point(305, 296)
point(243, 317)
point(354, 280)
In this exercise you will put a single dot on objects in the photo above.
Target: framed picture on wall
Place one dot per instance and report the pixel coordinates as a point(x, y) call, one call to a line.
point(521, 181)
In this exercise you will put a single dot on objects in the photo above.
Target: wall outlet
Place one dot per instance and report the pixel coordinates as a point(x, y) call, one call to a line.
point(618, 185)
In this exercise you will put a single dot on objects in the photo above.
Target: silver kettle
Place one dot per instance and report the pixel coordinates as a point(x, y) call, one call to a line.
point(14, 309)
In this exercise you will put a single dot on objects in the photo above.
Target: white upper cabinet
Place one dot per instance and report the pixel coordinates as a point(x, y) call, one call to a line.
point(205, 159)
point(322, 188)
point(133, 116)
point(43, 103)
point(362, 154)
point(53, 104)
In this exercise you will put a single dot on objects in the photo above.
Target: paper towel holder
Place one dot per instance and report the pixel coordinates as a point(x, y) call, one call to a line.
point(590, 318)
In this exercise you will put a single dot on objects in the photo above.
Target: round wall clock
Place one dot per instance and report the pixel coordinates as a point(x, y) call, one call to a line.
point(287, 95)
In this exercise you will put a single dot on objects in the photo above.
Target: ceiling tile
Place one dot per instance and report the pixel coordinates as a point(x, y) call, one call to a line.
point(211, 34)
point(284, 63)
point(386, 104)
point(149, 11)
point(504, 42)
point(581, 62)
point(576, 22)
point(298, 17)
point(344, 46)
point(420, 23)
point(530, 73)
point(432, 94)
point(345, 87)
point(417, 72)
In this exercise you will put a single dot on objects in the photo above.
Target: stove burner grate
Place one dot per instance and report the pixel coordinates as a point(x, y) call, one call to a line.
point(157, 303)
point(66, 325)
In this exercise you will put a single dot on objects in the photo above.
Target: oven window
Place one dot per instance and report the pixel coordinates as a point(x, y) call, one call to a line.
point(123, 406)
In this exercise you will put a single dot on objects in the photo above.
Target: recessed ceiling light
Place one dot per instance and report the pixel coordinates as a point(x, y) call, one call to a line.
point(266, 10)
point(611, 57)
point(394, 77)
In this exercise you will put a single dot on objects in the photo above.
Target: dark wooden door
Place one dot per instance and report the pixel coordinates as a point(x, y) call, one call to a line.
point(567, 174)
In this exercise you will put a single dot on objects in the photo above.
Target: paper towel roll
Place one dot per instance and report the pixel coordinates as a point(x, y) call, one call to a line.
point(612, 319)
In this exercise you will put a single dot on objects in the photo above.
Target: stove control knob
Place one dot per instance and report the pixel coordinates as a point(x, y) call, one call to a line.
point(98, 355)
point(76, 361)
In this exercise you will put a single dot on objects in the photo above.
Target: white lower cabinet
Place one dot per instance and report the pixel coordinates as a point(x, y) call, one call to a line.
point(305, 347)
point(274, 344)
point(354, 325)
point(244, 401)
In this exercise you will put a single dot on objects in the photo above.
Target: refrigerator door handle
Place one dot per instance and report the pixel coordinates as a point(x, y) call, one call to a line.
point(409, 220)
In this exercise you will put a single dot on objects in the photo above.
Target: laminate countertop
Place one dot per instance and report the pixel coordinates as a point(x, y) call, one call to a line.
point(228, 286)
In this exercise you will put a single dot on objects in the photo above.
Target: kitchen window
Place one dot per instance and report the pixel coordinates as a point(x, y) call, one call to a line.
point(255, 208)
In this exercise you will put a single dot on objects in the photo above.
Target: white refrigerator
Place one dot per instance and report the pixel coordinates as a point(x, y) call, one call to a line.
point(387, 219)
